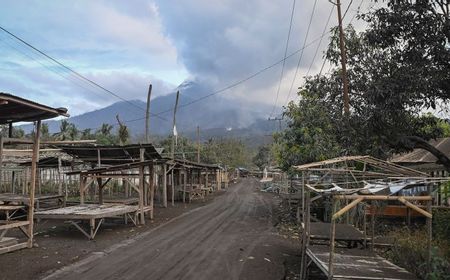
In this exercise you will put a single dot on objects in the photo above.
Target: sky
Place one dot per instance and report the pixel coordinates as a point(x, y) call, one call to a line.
point(126, 45)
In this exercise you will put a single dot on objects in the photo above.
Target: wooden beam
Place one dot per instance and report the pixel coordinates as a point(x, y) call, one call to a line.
point(34, 160)
point(383, 197)
point(414, 207)
point(346, 208)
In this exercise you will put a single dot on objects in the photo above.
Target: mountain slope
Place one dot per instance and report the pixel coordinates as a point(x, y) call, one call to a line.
point(215, 114)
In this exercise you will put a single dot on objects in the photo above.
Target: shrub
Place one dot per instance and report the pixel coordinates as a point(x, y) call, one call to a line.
point(410, 252)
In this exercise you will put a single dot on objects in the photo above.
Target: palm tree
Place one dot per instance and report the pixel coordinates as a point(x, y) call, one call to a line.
point(45, 135)
point(105, 129)
point(86, 134)
point(67, 131)
point(123, 132)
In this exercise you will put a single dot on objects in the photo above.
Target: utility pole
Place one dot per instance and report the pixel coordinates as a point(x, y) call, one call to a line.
point(198, 144)
point(147, 115)
point(343, 59)
point(174, 126)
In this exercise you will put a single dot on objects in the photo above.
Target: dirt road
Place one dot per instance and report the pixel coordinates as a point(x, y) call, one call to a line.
point(230, 238)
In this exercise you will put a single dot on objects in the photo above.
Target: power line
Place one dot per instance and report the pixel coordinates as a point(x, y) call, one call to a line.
point(301, 54)
point(284, 60)
point(72, 71)
point(52, 69)
point(320, 42)
point(235, 84)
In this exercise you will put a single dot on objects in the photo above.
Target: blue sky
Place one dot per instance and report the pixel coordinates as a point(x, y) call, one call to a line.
point(125, 45)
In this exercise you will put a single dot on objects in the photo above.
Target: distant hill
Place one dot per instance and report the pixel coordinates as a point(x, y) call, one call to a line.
point(217, 116)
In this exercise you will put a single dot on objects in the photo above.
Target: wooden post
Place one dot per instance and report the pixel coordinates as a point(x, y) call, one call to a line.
point(184, 185)
point(303, 197)
point(1, 163)
point(332, 239)
point(145, 190)
point(34, 160)
point(83, 180)
point(307, 228)
point(227, 179)
point(198, 144)
point(147, 115)
point(172, 178)
point(60, 177)
point(343, 60)
point(372, 221)
point(429, 229)
point(141, 187)
point(152, 189)
point(164, 190)
point(365, 226)
point(99, 158)
point(174, 125)
point(141, 194)
point(100, 190)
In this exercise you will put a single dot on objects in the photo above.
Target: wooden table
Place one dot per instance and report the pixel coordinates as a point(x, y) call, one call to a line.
point(356, 264)
point(91, 213)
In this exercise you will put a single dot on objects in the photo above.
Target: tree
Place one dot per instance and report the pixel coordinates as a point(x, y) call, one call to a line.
point(185, 148)
point(18, 133)
point(86, 134)
point(122, 132)
point(67, 131)
point(230, 152)
point(105, 129)
point(104, 136)
point(262, 157)
point(45, 134)
point(398, 68)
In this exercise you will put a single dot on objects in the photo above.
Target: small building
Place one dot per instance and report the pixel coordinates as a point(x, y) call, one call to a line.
point(423, 160)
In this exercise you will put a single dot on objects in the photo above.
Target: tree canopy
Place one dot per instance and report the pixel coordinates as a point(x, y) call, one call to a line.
point(398, 68)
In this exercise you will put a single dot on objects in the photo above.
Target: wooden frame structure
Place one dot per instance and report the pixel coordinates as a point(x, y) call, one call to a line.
point(15, 109)
point(345, 179)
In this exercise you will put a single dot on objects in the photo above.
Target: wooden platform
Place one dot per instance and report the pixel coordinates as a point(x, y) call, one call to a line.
point(86, 212)
point(122, 200)
point(90, 212)
point(344, 232)
point(356, 264)
point(41, 201)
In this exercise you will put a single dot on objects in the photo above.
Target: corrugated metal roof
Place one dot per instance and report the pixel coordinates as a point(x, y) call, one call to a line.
point(423, 156)
point(112, 154)
point(16, 109)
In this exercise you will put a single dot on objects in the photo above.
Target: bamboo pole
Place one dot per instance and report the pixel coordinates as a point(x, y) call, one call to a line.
point(414, 207)
point(34, 160)
point(332, 240)
point(347, 208)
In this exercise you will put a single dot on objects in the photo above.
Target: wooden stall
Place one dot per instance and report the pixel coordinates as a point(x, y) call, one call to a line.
point(14, 109)
point(133, 165)
point(195, 180)
point(352, 184)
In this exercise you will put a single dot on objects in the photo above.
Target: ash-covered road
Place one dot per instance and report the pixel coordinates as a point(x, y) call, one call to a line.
point(230, 238)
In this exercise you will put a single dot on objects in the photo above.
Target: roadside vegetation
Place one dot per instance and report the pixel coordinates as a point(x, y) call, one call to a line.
point(399, 88)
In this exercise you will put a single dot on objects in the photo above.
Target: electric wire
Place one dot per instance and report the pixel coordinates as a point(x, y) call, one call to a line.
point(301, 54)
point(284, 60)
point(72, 70)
